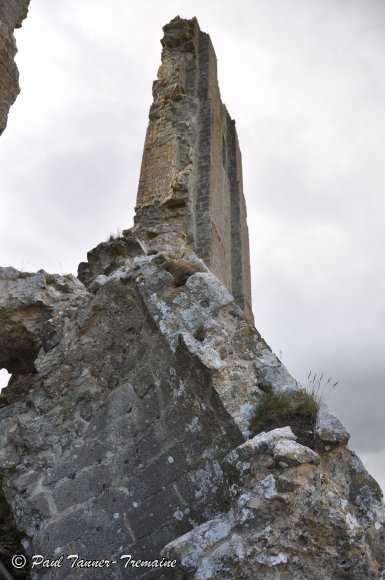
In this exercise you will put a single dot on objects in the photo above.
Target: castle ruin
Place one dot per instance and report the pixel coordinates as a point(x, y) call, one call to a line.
point(191, 177)
point(128, 428)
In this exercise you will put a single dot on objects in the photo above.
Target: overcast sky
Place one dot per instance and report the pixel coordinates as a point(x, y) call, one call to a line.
point(305, 82)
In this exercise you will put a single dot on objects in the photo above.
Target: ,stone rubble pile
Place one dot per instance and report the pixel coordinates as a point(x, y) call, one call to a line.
point(11, 16)
point(125, 428)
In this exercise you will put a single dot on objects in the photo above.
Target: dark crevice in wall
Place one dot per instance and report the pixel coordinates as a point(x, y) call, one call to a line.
point(236, 241)
point(202, 195)
point(10, 536)
point(10, 540)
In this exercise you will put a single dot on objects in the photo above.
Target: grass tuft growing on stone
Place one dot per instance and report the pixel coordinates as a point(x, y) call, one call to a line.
point(116, 236)
point(319, 386)
point(295, 409)
point(275, 406)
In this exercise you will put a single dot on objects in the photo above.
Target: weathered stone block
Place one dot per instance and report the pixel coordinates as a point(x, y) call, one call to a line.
point(168, 467)
point(92, 451)
point(145, 515)
point(88, 484)
point(329, 430)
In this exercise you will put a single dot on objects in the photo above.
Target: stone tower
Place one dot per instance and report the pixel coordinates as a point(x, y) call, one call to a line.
point(191, 176)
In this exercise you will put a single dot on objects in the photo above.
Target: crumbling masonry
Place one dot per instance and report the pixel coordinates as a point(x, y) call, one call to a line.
point(191, 177)
point(125, 428)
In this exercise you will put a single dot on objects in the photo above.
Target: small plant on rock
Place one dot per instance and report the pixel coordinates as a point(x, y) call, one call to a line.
point(297, 409)
point(319, 386)
point(115, 236)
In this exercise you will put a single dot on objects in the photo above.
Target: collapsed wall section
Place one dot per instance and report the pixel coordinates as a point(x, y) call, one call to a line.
point(116, 446)
point(131, 434)
point(191, 175)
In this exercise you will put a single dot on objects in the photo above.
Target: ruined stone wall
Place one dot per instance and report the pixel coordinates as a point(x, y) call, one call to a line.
point(134, 432)
point(220, 209)
point(115, 446)
point(191, 169)
point(240, 253)
point(12, 14)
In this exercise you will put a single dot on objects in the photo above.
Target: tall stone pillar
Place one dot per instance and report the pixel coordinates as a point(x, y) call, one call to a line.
point(191, 175)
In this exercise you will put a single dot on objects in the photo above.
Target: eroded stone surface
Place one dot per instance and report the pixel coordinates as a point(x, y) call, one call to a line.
point(329, 429)
point(302, 519)
point(28, 306)
point(12, 13)
point(114, 422)
point(126, 425)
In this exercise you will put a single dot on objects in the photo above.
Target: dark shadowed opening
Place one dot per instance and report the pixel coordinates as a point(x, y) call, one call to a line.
point(10, 540)
point(10, 536)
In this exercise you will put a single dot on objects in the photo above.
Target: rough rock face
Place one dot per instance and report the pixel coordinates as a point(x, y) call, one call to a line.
point(125, 429)
point(29, 306)
point(294, 513)
point(132, 431)
point(27, 302)
point(12, 13)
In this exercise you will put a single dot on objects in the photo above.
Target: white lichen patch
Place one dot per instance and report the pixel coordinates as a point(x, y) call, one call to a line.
point(217, 470)
point(142, 260)
point(273, 560)
point(206, 286)
point(263, 534)
point(208, 355)
point(352, 522)
point(218, 531)
point(203, 479)
point(245, 411)
point(270, 486)
point(182, 388)
point(194, 426)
